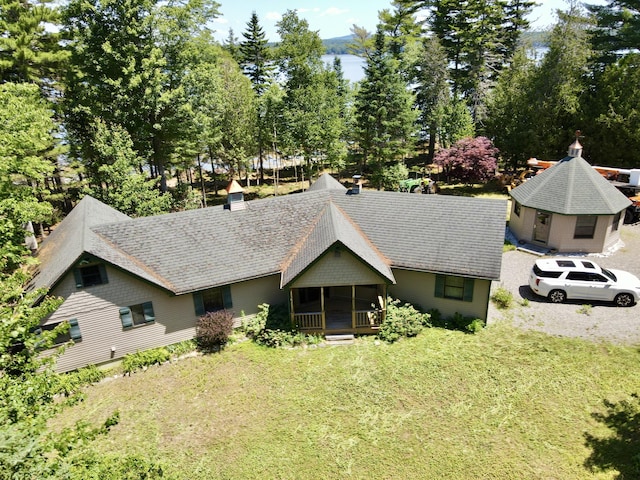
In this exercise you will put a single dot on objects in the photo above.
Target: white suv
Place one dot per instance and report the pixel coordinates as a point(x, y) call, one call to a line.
point(560, 279)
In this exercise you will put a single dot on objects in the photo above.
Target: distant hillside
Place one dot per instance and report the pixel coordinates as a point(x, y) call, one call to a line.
point(338, 45)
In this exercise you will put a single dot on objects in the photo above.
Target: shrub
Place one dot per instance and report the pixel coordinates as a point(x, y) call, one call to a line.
point(466, 324)
point(72, 381)
point(475, 325)
point(182, 348)
point(139, 360)
point(502, 297)
point(213, 329)
point(271, 327)
point(402, 321)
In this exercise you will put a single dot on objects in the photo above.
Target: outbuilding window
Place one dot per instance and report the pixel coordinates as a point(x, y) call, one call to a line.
point(516, 208)
point(616, 222)
point(585, 226)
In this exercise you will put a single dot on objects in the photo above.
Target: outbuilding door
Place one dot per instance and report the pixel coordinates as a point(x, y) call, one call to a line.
point(541, 227)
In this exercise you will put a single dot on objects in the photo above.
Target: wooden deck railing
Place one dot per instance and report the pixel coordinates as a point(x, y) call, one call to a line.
point(308, 320)
point(368, 318)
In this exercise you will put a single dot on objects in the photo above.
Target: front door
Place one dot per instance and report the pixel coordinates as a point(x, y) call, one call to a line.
point(541, 227)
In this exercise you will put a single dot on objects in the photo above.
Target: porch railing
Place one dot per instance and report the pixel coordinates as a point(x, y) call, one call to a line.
point(308, 320)
point(368, 318)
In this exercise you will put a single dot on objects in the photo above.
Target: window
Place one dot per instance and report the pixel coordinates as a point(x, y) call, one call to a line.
point(457, 288)
point(586, 277)
point(212, 299)
point(72, 334)
point(136, 315)
point(516, 208)
point(616, 222)
point(585, 226)
point(90, 275)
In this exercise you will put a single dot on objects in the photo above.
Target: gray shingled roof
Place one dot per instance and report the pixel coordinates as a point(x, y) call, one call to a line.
point(326, 182)
point(71, 238)
point(74, 237)
point(333, 226)
point(571, 187)
point(198, 249)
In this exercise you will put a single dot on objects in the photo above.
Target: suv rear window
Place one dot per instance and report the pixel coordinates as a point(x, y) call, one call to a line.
point(543, 273)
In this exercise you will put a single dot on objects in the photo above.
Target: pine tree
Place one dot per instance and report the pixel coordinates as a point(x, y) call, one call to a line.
point(29, 51)
point(256, 63)
point(384, 114)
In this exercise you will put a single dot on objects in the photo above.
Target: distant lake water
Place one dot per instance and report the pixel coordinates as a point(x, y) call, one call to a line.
point(352, 66)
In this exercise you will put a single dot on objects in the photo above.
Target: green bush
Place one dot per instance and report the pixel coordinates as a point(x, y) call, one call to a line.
point(466, 324)
point(502, 297)
point(136, 361)
point(475, 325)
point(182, 348)
point(213, 329)
point(402, 321)
point(271, 327)
point(72, 381)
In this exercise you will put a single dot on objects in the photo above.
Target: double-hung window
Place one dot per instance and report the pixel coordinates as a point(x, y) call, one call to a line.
point(88, 274)
point(136, 315)
point(585, 226)
point(454, 287)
point(212, 299)
point(73, 333)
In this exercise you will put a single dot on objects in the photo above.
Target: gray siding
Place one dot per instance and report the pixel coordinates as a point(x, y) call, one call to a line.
point(344, 269)
point(419, 289)
point(97, 311)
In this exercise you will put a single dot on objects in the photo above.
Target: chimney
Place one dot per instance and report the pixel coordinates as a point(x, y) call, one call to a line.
point(357, 185)
point(235, 197)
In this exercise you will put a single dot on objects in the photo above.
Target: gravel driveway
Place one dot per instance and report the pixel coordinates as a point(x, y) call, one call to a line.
point(601, 322)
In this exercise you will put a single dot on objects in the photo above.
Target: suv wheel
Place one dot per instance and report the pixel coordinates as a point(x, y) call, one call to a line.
point(557, 296)
point(624, 300)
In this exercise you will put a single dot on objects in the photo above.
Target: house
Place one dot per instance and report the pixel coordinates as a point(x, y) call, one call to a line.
point(331, 254)
point(568, 207)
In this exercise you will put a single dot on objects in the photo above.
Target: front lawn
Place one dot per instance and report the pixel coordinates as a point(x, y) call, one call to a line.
point(499, 404)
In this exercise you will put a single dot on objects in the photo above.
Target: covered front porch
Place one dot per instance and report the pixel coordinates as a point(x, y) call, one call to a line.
point(358, 309)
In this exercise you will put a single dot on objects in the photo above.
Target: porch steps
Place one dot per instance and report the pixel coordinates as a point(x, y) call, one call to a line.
point(346, 339)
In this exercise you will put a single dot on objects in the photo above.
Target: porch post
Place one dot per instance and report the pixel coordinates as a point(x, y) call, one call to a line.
point(324, 320)
point(383, 313)
point(353, 307)
point(292, 313)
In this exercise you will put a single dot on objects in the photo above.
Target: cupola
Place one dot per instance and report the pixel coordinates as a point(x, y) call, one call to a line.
point(235, 197)
point(575, 149)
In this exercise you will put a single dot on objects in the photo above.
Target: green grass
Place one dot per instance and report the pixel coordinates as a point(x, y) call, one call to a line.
point(500, 404)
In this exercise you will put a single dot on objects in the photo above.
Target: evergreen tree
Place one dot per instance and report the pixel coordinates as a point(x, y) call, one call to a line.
point(614, 135)
point(232, 46)
point(306, 102)
point(510, 112)
point(26, 138)
point(617, 29)
point(384, 114)
point(431, 87)
point(256, 63)
point(561, 84)
point(128, 66)
point(29, 50)
point(255, 57)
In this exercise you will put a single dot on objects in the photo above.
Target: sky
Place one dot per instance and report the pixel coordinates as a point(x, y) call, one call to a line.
point(333, 18)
